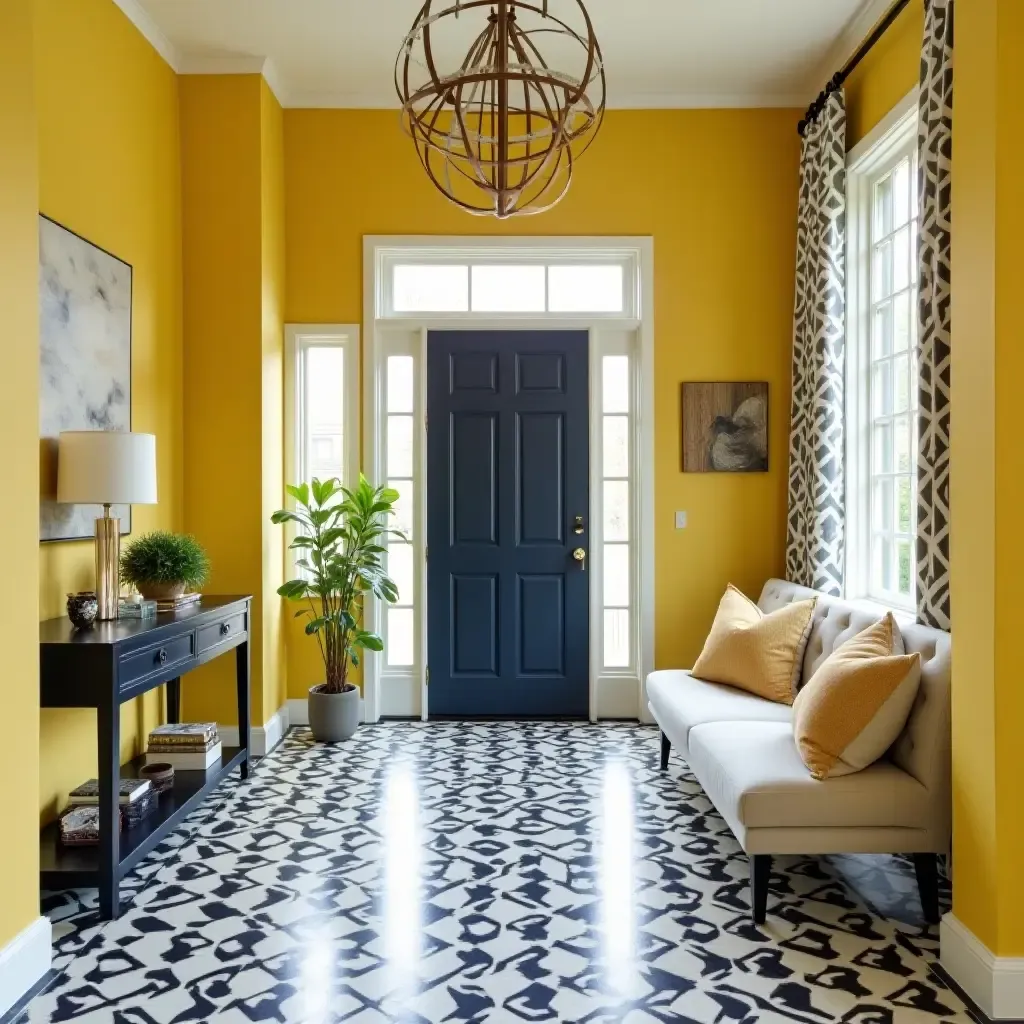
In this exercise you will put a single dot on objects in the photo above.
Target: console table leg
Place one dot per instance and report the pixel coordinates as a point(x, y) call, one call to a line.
point(108, 737)
point(174, 701)
point(242, 677)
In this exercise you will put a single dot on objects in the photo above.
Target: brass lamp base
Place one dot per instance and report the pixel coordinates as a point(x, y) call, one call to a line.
point(108, 558)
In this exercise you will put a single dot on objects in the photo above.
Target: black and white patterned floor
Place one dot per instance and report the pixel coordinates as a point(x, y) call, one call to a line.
point(491, 872)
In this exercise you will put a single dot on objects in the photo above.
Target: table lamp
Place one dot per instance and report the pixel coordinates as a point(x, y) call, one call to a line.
point(106, 467)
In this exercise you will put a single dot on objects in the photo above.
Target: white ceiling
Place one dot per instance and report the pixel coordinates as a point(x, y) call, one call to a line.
point(658, 53)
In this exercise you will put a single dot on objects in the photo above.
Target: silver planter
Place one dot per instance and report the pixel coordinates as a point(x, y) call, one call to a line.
point(333, 717)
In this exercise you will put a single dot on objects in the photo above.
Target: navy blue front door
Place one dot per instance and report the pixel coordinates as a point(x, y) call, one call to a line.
point(508, 475)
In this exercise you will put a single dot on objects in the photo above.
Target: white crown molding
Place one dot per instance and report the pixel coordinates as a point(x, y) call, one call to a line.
point(151, 32)
point(234, 64)
point(995, 983)
point(856, 31)
point(23, 962)
point(637, 101)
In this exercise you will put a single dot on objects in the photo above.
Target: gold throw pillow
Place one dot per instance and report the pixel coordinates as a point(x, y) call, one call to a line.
point(852, 710)
point(760, 653)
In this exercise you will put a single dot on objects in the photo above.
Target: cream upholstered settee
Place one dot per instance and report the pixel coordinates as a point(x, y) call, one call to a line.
point(741, 749)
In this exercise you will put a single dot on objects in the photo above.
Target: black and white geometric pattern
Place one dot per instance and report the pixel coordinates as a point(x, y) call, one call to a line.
point(817, 482)
point(488, 872)
point(935, 156)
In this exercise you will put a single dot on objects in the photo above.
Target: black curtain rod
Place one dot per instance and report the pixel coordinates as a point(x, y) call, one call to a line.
point(836, 81)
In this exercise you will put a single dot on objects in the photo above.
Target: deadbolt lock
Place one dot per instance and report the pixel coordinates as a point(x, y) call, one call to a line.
point(577, 526)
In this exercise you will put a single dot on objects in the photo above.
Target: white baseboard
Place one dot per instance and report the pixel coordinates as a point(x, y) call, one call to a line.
point(23, 961)
point(298, 711)
point(262, 738)
point(995, 983)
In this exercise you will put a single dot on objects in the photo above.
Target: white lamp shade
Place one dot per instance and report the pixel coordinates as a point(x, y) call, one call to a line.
point(106, 467)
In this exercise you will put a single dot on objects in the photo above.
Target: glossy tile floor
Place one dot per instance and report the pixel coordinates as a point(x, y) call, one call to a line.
point(487, 872)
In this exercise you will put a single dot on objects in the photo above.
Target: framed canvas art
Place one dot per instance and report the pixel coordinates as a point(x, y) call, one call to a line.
point(85, 363)
point(725, 427)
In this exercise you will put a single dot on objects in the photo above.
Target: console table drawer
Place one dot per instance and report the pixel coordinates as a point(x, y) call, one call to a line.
point(135, 666)
point(216, 633)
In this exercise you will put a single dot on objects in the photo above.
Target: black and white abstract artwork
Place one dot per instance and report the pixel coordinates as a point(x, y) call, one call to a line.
point(85, 371)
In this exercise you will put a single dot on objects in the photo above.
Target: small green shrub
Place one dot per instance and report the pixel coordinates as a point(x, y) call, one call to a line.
point(163, 557)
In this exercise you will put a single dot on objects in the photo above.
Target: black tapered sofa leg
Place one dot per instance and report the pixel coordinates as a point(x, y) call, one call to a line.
point(926, 867)
point(760, 872)
point(666, 749)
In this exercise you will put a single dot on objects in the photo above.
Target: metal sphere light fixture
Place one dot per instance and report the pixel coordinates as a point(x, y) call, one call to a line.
point(499, 126)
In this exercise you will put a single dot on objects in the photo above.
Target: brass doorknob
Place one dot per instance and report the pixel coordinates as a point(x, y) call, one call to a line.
point(581, 556)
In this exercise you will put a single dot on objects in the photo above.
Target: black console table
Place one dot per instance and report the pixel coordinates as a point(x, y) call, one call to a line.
point(102, 668)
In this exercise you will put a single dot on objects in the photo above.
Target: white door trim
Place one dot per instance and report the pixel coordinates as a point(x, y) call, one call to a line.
point(415, 328)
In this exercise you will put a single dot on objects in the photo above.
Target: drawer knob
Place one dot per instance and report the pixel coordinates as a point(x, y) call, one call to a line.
point(161, 656)
point(225, 628)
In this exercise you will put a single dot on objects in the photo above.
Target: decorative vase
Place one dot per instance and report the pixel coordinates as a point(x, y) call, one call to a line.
point(333, 717)
point(161, 591)
point(83, 608)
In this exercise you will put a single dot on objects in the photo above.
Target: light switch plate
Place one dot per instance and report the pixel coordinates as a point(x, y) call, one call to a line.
point(680, 520)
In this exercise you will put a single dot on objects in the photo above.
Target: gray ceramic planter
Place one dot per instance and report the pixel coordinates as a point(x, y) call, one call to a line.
point(333, 717)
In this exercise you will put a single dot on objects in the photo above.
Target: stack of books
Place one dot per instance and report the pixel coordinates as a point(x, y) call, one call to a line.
point(128, 609)
point(186, 747)
point(176, 604)
point(137, 799)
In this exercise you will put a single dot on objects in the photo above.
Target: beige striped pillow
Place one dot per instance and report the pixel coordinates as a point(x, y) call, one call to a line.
point(855, 706)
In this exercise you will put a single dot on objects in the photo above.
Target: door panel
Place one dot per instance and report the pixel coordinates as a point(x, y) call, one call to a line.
point(508, 472)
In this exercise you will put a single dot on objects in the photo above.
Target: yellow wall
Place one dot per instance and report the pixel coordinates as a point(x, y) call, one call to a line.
point(109, 170)
point(886, 75)
point(987, 473)
point(716, 189)
point(19, 514)
point(233, 240)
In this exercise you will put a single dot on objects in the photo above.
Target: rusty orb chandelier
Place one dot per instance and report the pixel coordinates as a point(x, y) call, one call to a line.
point(498, 126)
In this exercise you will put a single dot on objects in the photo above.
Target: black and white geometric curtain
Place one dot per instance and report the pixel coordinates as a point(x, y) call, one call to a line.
point(935, 150)
point(817, 484)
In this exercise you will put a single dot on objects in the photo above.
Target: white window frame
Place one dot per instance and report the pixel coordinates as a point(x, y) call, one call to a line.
point(614, 693)
point(892, 139)
point(299, 338)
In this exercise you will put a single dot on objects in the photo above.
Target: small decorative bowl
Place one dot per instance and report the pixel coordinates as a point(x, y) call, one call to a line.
point(83, 608)
point(160, 775)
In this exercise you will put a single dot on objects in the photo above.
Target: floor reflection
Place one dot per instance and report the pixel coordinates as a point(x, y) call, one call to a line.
point(617, 880)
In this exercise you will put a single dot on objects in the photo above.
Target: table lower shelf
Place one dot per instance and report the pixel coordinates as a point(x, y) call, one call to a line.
point(71, 867)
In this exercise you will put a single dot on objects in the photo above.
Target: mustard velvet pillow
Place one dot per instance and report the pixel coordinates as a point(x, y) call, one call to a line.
point(760, 653)
point(852, 710)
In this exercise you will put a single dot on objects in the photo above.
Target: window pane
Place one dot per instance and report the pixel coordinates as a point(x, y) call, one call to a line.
point(902, 436)
point(401, 394)
point(901, 322)
point(325, 389)
point(616, 510)
point(400, 569)
point(903, 557)
point(403, 518)
point(616, 638)
point(426, 289)
point(884, 576)
point(593, 289)
point(881, 337)
point(400, 446)
point(901, 383)
point(883, 448)
point(508, 289)
point(616, 575)
point(901, 260)
point(881, 389)
point(883, 207)
point(615, 381)
point(913, 252)
point(905, 498)
point(901, 195)
point(882, 506)
point(616, 446)
point(881, 274)
point(401, 636)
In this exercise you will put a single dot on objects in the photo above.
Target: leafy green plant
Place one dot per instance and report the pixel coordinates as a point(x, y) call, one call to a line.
point(163, 557)
point(339, 540)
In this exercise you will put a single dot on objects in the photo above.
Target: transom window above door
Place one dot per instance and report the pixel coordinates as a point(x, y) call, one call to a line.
point(516, 282)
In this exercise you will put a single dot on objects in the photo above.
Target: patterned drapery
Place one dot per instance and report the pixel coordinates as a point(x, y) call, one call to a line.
point(817, 485)
point(935, 150)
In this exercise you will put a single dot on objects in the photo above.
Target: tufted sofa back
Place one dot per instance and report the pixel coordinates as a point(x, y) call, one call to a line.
point(923, 749)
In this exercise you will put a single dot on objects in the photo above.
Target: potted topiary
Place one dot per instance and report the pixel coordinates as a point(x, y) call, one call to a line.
point(162, 565)
point(338, 539)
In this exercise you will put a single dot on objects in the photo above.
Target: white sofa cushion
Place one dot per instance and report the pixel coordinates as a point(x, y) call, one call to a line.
point(753, 774)
point(679, 702)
